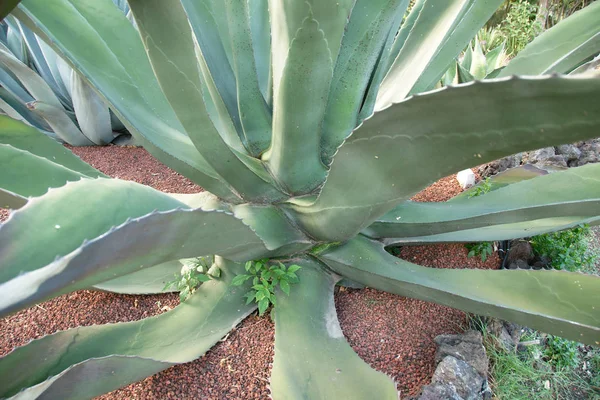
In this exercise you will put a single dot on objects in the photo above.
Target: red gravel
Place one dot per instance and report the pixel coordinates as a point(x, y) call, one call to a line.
point(391, 333)
point(135, 164)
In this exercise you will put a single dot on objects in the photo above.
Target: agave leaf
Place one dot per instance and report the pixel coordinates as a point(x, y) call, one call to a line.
point(70, 358)
point(221, 78)
point(15, 43)
point(366, 35)
point(434, 24)
point(38, 58)
point(465, 28)
point(255, 115)
point(98, 375)
point(464, 74)
point(173, 232)
point(562, 47)
point(307, 329)
point(29, 78)
point(504, 178)
point(113, 59)
point(557, 302)
point(61, 123)
point(31, 175)
point(92, 114)
point(497, 118)
point(587, 67)
point(12, 85)
point(478, 65)
point(306, 40)
point(568, 197)
point(15, 109)
point(176, 68)
point(147, 281)
point(268, 221)
point(495, 57)
point(260, 28)
point(396, 38)
point(29, 139)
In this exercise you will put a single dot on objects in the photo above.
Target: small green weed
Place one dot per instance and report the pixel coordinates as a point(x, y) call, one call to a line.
point(566, 249)
point(483, 249)
point(193, 273)
point(561, 353)
point(484, 187)
point(265, 278)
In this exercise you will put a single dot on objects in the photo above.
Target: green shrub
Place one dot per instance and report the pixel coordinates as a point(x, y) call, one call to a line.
point(520, 26)
point(566, 249)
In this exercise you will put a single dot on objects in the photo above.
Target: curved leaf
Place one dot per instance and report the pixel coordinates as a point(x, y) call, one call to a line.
point(567, 197)
point(29, 139)
point(34, 83)
point(61, 123)
point(92, 114)
point(366, 35)
point(504, 178)
point(557, 302)
point(434, 23)
point(465, 28)
point(306, 41)
point(562, 47)
point(148, 280)
point(173, 232)
point(31, 175)
point(442, 132)
point(126, 351)
point(313, 360)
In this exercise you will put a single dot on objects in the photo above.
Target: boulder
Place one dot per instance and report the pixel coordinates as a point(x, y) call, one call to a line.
point(439, 391)
point(500, 165)
point(568, 151)
point(467, 347)
point(557, 161)
point(540, 155)
point(464, 378)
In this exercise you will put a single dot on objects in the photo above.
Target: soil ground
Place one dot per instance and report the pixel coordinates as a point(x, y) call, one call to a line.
point(392, 333)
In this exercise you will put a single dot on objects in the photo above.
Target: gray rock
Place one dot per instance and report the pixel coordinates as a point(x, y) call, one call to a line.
point(465, 379)
point(439, 391)
point(467, 347)
point(500, 329)
point(569, 151)
point(553, 161)
point(587, 157)
point(537, 156)
point(500, 165)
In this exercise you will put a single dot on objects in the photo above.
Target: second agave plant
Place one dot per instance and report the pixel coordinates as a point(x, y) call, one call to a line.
point(310, 124)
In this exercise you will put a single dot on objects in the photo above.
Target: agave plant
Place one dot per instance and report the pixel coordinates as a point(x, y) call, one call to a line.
point(476, 65)
point(39, 88)
point(310, 125)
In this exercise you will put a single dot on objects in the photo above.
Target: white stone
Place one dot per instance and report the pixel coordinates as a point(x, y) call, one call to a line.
point(466, 178)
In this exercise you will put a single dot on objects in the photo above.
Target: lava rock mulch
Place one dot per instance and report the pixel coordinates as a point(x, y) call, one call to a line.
point(392, 333)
